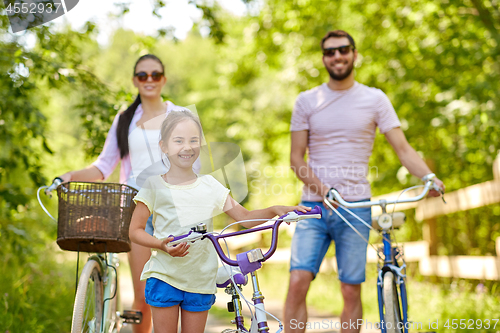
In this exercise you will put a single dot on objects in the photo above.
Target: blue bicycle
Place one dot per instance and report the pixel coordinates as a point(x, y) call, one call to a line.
point(391, 269)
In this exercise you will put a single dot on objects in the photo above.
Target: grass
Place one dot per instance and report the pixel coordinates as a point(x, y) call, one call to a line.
point(35, 290)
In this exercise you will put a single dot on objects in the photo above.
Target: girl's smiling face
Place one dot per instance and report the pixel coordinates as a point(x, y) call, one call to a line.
point(183, 145)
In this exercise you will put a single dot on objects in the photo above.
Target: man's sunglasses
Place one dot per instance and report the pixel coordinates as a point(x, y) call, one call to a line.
point(143, 76)
point(330, 52)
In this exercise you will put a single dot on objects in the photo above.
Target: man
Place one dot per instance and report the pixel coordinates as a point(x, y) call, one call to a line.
point(336, 124)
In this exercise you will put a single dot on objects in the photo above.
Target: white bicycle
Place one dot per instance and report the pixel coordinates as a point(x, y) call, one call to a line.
point(95, 217)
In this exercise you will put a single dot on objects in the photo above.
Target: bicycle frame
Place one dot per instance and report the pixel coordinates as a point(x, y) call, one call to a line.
point(391, 263)
point(110, 283)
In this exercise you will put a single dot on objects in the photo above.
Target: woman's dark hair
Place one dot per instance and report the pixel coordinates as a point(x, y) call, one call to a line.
point(127, 115)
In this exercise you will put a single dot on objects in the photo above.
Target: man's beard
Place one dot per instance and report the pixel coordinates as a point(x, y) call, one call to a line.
point(340, 77)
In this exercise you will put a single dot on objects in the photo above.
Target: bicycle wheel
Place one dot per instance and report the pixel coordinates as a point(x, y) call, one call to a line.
point(392, 312)
point(87, 311)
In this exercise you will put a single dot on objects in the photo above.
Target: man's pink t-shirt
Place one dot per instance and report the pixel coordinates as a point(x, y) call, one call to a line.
point(342, 126)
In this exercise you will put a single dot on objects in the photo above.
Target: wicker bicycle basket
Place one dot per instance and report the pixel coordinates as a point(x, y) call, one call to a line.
point(94, 217)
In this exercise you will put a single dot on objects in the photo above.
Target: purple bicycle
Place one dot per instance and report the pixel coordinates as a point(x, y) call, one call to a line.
point(233, 274)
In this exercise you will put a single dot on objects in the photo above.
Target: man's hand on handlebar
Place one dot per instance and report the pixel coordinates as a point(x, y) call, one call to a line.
point(179, 250)
point(439, 184)
point(325, 195)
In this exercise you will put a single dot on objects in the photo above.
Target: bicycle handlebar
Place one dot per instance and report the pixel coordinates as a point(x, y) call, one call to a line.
point(294, 216)
point(333, 194)
point(55, 183)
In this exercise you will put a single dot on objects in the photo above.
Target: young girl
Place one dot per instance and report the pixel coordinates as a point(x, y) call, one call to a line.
point(181, 278)
point(133, 140)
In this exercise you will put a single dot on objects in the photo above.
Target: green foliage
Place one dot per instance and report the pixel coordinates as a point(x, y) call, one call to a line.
point(469, 233)
point(438, 61)
point(36, 291)
point(28, 76)
point(442, 79)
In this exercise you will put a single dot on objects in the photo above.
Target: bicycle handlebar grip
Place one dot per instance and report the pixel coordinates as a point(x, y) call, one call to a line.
point(180, 237)
point(55, 183)
point(315, 210)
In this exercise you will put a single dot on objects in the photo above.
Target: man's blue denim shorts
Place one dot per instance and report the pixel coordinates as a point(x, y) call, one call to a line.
point(312, 238)
point(162, 295)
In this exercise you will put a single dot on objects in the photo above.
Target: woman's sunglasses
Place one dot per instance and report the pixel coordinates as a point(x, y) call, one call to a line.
point(143, 76)
point(330, 52)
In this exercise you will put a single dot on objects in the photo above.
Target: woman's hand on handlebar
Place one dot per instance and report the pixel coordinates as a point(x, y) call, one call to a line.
point(66, 177)
point(179, 250)
point(88, 174)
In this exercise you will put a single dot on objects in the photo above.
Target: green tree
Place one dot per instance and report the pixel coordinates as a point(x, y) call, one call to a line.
point(30, 78)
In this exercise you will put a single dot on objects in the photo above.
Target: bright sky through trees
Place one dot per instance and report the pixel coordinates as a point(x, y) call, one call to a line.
point(178, 14)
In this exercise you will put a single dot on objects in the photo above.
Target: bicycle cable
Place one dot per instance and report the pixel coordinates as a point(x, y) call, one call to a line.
point(394, 209)
point(243, 221)
point(41, 204)
point(364, 222)
point(248, 303)
point(353, 228)
point(238, 291)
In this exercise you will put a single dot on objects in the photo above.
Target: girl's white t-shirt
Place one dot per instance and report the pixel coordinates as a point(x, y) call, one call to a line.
point(175, 210)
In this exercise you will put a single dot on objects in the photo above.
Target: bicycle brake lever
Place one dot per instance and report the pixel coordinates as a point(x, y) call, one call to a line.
point(442, 196)
point(440, 190)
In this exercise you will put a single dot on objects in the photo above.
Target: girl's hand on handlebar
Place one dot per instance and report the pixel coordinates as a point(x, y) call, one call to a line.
point(179, 250)
point(281, 210)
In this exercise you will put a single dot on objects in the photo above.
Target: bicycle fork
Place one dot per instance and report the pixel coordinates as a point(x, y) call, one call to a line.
point(259, 319)
point(235, 306)
point(260, 312)
point(391, 264)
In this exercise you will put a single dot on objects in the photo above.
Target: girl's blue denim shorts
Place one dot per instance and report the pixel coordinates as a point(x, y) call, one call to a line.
point(162, 295)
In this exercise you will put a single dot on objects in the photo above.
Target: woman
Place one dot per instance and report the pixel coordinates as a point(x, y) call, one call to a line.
point(133, 140)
